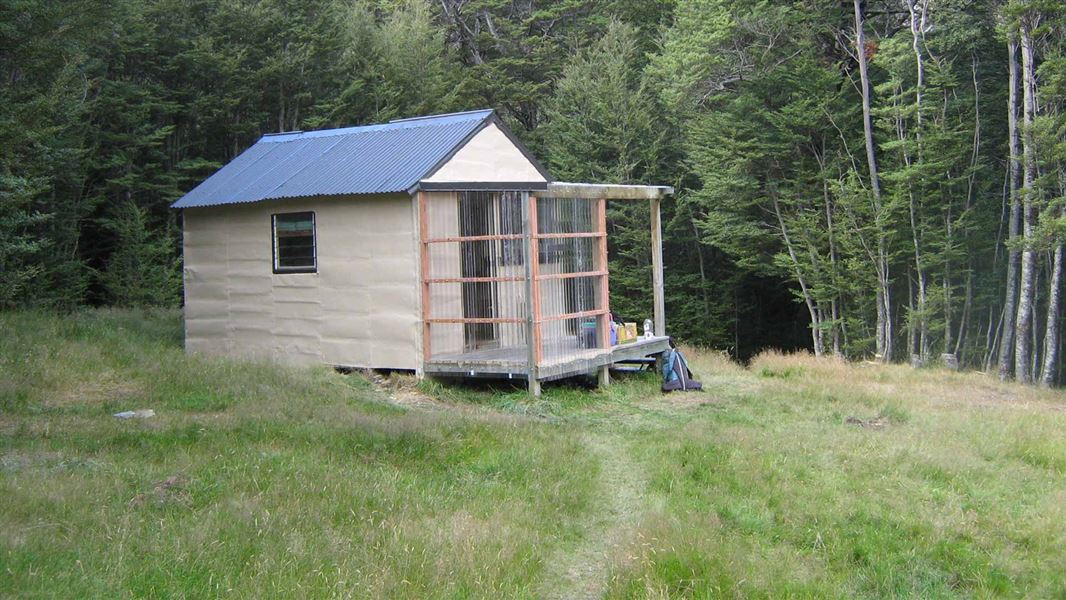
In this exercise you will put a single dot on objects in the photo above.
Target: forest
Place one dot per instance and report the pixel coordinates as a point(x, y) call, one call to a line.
point(874, 179)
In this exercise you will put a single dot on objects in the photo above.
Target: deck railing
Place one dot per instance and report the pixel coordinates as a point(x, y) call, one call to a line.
point(570, 279)
point(503, 269)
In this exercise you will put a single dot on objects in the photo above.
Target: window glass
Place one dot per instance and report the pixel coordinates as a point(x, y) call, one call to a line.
point(294, 242)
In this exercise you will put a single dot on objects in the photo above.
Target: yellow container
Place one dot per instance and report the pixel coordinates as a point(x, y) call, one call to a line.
point(630, 330)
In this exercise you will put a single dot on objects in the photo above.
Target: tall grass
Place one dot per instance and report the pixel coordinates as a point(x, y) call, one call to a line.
point(958, 491)
point(792, 477)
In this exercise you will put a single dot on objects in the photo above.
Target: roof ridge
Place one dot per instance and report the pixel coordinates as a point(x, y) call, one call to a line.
point(442, 115)
point(409, 123)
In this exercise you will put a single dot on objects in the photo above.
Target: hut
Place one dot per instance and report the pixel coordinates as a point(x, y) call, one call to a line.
point(435, 244)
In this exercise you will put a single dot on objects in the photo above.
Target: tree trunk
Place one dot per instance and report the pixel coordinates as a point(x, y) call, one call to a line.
point(912, 338)
point(918, 333)
point(1024, 322)
point(1034, 328)
point(964, 322)
point(834, 305)
point(975, 156)
point(949, 231)
point(992, 337)
point(879, 298)
point(808, 298)
point(1006, 339)
point(919, 316)
point(949, 246)
point(883, 296)
point(834, 308)
point(1051, 335)
point(703, 270)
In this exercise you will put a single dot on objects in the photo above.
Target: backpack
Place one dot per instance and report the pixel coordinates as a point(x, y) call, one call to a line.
point(676, 374)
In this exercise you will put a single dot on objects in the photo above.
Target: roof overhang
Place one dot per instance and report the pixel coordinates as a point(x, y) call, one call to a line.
point(479, 186)
point(562, 189)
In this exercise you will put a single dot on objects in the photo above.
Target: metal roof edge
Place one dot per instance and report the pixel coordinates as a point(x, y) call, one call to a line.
point(479, 186)
point(398, 193)
point(444, 115)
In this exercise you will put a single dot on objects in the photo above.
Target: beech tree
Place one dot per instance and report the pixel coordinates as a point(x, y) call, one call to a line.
point(880, 261)
point(1014, 184)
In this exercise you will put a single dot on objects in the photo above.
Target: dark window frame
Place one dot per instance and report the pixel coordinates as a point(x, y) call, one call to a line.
point(276, 258)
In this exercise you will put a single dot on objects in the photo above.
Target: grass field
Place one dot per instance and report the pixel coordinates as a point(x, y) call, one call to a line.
point(793, 477)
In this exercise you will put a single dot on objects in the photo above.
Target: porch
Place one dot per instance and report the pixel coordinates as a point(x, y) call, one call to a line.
point(513, 361)
point(515, 281)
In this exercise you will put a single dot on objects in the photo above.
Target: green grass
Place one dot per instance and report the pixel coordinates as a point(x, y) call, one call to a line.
point(300, 483)
point(255, 480)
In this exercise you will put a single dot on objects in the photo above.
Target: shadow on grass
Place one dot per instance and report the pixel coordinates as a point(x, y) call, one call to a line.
point(559, 398)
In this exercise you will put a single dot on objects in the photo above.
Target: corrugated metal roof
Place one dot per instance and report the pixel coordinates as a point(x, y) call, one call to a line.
point(373, 159)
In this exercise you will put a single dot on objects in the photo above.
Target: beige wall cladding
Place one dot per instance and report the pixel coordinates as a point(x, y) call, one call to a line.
point(360, 309)
point(489, 156)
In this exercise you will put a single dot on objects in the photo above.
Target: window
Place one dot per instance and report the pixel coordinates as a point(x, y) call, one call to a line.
point(294, 243)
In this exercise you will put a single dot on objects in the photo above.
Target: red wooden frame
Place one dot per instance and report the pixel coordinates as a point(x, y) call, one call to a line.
point(475, 238)
point(465, 320)
point(574, 315)
point(605, 297)
point(497, 279)
point(534, 263)
point(564, 236)
point(551, 276)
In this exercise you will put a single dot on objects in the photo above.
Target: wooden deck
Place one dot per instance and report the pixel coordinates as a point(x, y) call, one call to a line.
point(513, 361)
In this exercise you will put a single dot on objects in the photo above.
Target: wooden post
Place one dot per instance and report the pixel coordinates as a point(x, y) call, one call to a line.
point(529, 226)
point(534, 385)
point(534, 269)
point(423, 227)
point(604, 320)
point(657, 268)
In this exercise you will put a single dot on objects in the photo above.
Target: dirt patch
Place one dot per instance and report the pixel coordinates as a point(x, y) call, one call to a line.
point(403, 391)
point(18, 461)
point(876, 423)
point(172, 490)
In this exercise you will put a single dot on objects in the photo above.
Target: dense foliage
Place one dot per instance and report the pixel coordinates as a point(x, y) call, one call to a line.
point(870, 178)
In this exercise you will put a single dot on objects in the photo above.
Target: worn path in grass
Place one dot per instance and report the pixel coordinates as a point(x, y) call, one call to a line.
point(581, 571)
